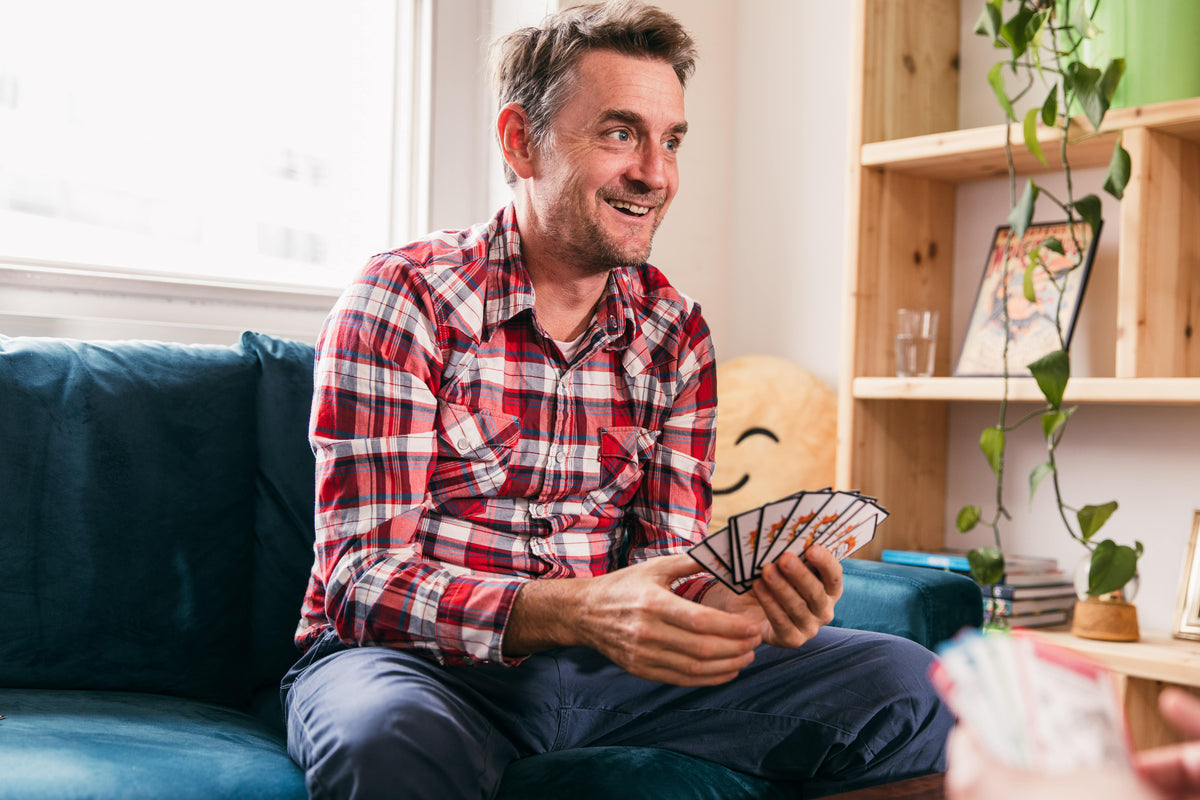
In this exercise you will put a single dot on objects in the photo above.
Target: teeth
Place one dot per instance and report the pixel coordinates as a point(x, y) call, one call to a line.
point(639, 210)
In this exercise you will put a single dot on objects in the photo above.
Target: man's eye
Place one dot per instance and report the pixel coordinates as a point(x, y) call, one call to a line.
point(621, 135)
point(673, 145)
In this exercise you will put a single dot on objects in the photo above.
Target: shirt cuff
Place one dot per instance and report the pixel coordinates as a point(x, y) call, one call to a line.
point(472, 615)
point(695, 587)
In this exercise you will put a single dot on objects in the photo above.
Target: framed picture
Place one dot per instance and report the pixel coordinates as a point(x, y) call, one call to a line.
point(1032, 332)
point(1187, 616)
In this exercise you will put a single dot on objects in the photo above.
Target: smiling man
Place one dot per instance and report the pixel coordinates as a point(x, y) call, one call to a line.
point(513, 427)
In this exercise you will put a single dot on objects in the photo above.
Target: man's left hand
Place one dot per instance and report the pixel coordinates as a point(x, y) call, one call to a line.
point(791, 600)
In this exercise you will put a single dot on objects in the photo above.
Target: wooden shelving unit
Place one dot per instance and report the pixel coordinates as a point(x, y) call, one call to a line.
point(892, 435)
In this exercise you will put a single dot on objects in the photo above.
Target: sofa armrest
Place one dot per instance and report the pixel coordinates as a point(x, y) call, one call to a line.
point(925, 605)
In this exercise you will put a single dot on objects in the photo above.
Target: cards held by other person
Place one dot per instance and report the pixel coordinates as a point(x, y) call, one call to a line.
point(842, 522)
point(1031, 704)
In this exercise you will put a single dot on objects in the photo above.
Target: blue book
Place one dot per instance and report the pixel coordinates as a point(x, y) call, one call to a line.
point(916, 558)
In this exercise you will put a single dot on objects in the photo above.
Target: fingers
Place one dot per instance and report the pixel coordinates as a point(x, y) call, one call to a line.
point(1181, 710)
point(796, 600)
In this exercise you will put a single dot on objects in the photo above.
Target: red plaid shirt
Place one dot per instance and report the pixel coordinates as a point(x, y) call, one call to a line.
point(458, 454)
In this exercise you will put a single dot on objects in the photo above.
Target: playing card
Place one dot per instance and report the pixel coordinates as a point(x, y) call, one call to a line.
point(769, 524)
point(703, 554)
point(856, 532)
point(1032, 704)
point(744, 529)
point(804, 513)
point(826, 517)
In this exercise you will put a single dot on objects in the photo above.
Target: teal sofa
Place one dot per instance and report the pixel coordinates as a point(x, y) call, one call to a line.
point(155, 539)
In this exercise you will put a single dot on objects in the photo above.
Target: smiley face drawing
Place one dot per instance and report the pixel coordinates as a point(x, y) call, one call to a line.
point(776, 434)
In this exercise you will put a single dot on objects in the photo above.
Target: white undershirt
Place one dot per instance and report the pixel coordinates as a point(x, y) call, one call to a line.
point(569, 349)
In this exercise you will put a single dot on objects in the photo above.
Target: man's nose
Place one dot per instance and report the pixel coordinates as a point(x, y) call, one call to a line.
point(651, 168)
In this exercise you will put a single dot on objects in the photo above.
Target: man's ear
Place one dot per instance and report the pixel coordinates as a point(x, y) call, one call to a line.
point(512, 128)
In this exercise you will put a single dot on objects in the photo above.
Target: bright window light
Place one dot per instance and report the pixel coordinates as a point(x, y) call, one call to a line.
point(227, 140)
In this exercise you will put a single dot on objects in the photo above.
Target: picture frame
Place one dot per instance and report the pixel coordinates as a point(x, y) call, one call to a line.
point(1187, 615)
point(1032, 332)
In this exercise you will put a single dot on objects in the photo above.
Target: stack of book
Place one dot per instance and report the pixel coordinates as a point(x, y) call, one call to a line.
point(1035, 592)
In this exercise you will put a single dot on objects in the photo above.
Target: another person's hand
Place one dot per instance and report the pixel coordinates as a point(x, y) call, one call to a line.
point(790, 601)
point(974, 775)
point(1174, 770)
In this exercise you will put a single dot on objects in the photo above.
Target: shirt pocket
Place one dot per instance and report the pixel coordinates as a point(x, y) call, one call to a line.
point(623, 452)
point(475, 448)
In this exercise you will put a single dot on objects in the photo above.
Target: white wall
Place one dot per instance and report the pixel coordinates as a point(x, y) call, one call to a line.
point(756, 235)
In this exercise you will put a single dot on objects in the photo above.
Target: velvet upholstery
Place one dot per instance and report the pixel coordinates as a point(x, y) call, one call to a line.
point(925, 605)
point(126, 525)
point(155, 540)
point(58, 745)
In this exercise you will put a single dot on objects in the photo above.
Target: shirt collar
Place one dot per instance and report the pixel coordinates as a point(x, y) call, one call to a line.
point(510, 291)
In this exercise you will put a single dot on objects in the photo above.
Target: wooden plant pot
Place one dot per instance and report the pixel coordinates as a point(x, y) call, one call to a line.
point(1108, 620)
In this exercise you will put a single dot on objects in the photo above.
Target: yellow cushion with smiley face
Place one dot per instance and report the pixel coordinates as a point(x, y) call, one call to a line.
point(776, 434)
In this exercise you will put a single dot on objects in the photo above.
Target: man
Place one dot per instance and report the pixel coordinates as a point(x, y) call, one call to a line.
point(514, 436)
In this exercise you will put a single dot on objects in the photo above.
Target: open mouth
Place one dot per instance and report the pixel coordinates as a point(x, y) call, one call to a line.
point(629, 209)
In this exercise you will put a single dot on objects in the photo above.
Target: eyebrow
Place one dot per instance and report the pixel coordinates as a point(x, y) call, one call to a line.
point(636, 119)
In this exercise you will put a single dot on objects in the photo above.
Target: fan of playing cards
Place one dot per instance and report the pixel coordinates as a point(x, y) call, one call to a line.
point(840, 521)
point(1031, 704)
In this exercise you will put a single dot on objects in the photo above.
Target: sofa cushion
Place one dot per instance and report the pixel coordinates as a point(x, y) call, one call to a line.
point(925, 605)
point(126, 515)
point(283, 510)
point(82, 744)
point(601, 773)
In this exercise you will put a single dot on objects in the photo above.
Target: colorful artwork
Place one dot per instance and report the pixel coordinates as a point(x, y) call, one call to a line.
point(1032, 332)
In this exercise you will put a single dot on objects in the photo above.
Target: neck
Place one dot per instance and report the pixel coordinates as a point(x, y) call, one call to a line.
point(565, 294)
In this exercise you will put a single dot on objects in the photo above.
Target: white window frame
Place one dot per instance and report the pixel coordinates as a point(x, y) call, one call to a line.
point(443, 157)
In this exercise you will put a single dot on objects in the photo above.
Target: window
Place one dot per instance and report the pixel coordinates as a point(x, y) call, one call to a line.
point(237, 141)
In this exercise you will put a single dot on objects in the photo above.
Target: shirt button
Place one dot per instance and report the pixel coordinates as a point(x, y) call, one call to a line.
point(539, 509)
point(560, 457)
point(463, 445)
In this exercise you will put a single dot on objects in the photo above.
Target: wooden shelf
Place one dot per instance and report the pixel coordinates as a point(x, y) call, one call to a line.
point(903, 191)
point(978, 153)
point(1157, 656)
point(1126, 391)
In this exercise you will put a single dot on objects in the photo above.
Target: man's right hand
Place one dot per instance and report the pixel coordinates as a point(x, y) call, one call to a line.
point(631, 616)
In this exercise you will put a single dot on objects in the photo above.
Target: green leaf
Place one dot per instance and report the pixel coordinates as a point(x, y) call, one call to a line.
point(1027, 287)
point(1022, 213)
point(1030, 130)
point(1050, 107)
point(1052, 371)
point(1085, 81)
point(1088, 207)
point(1016, 32)
point(989, 22)
point(1037, 476)
point(991, 442)
point(1054, 244)
point(968, 518)
point(1052, 421)
point(1034, 30)
point(996, 79)
point(987, 565)
point(1119, 168)
point(1111, 79)
point(1112, 567)
point(1092, 518)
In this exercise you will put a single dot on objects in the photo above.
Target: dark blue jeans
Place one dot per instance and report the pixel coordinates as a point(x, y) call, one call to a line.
point(848, 709)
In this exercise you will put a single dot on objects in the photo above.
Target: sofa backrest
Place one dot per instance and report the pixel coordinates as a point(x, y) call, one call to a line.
point(155, 514)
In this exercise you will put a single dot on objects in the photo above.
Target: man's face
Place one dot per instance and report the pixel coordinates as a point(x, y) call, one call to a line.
point(607, 173)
